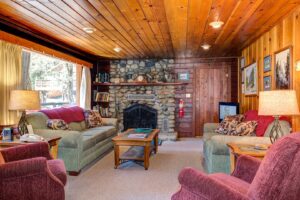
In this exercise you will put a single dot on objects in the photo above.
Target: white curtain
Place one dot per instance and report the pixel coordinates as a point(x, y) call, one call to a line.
point(85, 88)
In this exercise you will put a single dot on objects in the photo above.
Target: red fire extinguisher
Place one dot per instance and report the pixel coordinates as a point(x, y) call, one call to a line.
point(181, 109)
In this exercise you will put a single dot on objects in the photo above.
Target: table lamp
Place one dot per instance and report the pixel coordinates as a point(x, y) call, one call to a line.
point(277, 103)
point(22, 100)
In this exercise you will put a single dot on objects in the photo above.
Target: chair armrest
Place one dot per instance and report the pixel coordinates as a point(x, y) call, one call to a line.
point(209, 130)
point(23, 167)
point(205, 186)
point(110, 122)
point(21, 152)
point(69, 139)
point(246, 168)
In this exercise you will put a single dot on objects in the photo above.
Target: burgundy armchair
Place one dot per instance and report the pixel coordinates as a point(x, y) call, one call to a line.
point(29, 172)
point(276, 177)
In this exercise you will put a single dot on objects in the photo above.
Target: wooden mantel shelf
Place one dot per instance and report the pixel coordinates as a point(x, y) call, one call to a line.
point(140, 84)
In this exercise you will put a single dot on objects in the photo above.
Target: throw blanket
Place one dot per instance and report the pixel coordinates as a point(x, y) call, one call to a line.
point(71, 114)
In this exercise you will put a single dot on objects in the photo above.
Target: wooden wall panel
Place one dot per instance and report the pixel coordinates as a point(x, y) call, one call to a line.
point(189, 126)
point(284, 34)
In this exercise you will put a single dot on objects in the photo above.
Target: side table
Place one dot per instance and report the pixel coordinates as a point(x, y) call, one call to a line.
point(53, 144)
point(237, 149)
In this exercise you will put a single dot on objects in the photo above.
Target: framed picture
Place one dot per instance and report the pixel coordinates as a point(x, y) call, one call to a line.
point(267, 83)
point(283, 68)
point(251, 79)
point(242, 62)
point(267, 63)
point(243, 76)
point(184, 76)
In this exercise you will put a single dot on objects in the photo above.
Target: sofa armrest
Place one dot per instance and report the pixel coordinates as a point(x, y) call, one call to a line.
point(69, 139)
point(110, 122)
point(209, 130)
point(205, 186)
point(22, 152)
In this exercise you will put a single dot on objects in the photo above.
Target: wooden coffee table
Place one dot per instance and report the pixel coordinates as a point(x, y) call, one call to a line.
point(53, 144)
point(140, 148)
point(237, 149)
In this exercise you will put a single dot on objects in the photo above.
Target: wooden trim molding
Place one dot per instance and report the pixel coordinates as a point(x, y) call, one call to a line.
point(40, 48)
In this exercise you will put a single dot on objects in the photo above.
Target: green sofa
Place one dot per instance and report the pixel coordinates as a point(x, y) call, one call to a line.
point(80, 145)
point(216, 152)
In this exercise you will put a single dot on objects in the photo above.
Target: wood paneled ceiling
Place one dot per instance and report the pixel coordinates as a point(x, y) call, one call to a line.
point(150, 28)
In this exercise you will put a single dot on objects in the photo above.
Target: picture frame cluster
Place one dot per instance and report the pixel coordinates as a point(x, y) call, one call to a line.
point(282, 72)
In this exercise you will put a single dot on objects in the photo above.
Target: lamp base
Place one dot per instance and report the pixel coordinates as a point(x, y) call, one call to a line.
point(22, 126)
point(276, 130)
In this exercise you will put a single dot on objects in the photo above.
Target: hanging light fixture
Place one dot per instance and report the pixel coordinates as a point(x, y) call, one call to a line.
point(205, 46)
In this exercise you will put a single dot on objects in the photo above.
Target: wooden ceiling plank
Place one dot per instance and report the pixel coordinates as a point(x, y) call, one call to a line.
point(39, 15)
point(120, 24)
point(176, 12)
point(21, 13)
point(153, 21)
point(270, 22)
point(54, 12)
point(111, 34)
point(141, 28)
point(81, 22)
point(121, 36)
point(197, 17)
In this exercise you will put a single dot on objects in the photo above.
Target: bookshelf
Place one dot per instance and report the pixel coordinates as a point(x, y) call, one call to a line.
point(100, 93)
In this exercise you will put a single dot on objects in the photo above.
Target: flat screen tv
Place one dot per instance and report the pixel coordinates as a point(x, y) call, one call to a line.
point(227, 108)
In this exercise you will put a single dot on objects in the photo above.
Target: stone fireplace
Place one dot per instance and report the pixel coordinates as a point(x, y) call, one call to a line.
point(143, 101)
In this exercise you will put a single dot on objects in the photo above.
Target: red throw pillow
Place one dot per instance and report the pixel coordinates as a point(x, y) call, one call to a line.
point(251, 115)
point(51, 113)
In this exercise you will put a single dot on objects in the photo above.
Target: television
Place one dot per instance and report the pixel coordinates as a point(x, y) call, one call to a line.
point(227, 108)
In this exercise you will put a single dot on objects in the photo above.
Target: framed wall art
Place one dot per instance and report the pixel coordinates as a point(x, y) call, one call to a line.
point(251, 87)
point(242, 62)
point(267, 63)
point(283, 68)
point(267, 83)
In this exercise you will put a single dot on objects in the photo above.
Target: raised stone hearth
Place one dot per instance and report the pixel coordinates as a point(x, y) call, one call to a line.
point(161, 98)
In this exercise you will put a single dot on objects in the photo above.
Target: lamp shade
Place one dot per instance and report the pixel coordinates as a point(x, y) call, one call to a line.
point(24, 100)
point(278, 103)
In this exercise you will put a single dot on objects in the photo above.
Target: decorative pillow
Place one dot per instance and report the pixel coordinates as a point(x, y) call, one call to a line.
point(57, 124)
point(92, 118)
point(2, 161)
point(228, 125)
point(246, 128)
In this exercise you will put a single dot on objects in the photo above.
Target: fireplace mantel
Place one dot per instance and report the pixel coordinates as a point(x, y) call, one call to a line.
point(140, 84)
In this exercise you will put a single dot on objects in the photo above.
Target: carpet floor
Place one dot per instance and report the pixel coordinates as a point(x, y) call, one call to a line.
point(130, 181)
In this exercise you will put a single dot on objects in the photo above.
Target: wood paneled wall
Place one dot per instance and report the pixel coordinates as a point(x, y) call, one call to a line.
point(186, 126)
point(284, 34)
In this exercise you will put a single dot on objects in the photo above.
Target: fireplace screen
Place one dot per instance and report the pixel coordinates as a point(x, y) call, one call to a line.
point(139, 116)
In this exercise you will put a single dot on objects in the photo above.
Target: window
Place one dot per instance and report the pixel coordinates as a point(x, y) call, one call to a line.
point(54, 78)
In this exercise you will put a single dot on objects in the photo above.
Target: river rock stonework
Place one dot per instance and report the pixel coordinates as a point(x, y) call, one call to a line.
point(164, 96)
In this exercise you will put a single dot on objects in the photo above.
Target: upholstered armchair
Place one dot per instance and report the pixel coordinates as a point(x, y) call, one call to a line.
point(276, 177)
point(29, 172)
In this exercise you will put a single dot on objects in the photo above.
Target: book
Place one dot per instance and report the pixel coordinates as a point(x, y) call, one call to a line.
point(137, 135)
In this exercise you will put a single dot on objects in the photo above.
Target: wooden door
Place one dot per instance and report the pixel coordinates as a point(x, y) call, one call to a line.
point(211, 85)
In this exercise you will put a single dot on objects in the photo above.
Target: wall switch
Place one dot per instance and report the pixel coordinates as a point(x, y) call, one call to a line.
point(188, 95)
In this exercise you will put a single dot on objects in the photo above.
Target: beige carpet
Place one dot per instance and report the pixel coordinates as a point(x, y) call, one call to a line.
point(101, 181)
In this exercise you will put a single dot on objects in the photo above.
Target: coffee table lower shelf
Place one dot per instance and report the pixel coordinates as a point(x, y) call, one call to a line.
point(135, 153)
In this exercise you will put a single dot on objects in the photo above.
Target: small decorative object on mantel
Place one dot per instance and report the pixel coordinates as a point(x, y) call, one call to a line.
point(278, 103)
point(251, 87)
point(283, 68)
point(267, 63)
point(140, 79)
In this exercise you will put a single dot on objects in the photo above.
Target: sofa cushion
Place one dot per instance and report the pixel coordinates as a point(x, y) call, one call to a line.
point(77, 126)
point(228, 125)
point(92, 118)
point(57, 167)
point(57, 124)
point(246, 128)
point(95, 135)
